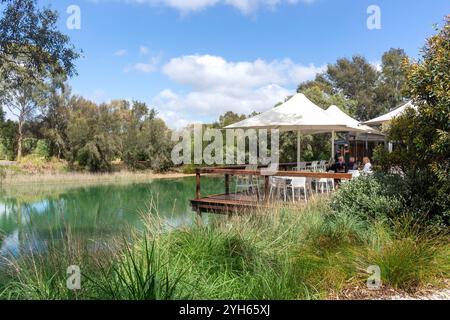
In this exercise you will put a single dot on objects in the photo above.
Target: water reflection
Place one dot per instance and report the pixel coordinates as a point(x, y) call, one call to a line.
point(94, 213)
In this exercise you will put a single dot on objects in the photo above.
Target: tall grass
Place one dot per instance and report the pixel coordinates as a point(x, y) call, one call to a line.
point(279, 253)
point(12, 178)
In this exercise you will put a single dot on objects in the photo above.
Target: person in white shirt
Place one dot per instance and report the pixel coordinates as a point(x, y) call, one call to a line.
point(367, 166)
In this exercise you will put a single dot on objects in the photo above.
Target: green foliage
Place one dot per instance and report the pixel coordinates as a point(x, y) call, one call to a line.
point(44, 49)
point(189, 169)
point(368, 197)
point(8, 132)
point(29, 145)
point(228, 118)
point(357, 87)
point(42, 149)
point(392, 79)
point(34, 163)
point(93, 135)
point(414, 254)
point(136, 274)
point(3, 152)
point(30, 60)
point(147, 140)
point(423, 138)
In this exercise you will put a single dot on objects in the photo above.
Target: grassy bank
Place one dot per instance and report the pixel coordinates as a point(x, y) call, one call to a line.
point(17, 178)
point(282, 253)
point(35, 170)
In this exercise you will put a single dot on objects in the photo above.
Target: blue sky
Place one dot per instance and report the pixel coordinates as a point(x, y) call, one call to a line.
point(195, 59)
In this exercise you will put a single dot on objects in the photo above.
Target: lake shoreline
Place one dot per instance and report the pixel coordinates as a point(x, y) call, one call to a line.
point(75, 178)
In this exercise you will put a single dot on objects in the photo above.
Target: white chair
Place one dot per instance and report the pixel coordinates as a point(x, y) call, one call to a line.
point(323, 185)
point(299, 184)
point(355, 173)
point(322, 166)
point(331, 181)
point(314, 166)
point(247, 183)
point(331, 184)
point(301, 167)
point(278, 187)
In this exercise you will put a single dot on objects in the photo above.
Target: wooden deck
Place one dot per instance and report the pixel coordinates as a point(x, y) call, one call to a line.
point(228, 203)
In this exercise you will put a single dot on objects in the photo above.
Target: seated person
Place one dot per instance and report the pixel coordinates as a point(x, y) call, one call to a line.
point(339, 166)
point(367, 166)
point(352, 165)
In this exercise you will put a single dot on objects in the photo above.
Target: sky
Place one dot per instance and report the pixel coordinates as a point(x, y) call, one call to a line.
point(195, 59)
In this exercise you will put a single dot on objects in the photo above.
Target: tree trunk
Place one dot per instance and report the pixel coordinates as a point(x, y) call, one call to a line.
point(19, 141)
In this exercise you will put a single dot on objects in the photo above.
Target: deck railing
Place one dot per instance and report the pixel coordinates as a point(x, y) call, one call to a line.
point(228, 172)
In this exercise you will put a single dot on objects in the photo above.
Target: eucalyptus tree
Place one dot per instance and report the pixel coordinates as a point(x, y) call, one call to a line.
point(359, 87)
point(30, 32)
point(32, 52)
point(22, 94)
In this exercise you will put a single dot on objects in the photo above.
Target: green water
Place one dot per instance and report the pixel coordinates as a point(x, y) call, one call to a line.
point(32, 219)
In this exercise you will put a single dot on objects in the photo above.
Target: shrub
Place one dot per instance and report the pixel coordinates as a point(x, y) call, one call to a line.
point(42, 149)
point(3, 152)
point(368, 198)
point(415, 254)
point(189, 168)
point(36, 164)
point(136, 273)
point(422, 136)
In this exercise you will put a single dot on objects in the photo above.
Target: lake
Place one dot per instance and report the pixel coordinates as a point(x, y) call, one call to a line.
point(31, 217)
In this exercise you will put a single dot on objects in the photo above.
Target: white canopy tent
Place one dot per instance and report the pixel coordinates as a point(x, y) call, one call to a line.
point(297, 114)
point(390, 115)
point(353, 124)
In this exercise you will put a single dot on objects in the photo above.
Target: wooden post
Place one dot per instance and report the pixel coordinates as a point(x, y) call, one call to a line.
point(266, 188)
point(197, 190)
point(227, 184)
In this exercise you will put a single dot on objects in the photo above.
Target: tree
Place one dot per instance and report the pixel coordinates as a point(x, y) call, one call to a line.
point(32, 52)
point(31, 33)
point(228, 118)
point(356, 80)
point(392, 79)
point(147, 140)
point(22, 101)
point(8, 133)
point(56, 117)
point(357, 87)
point(423, 137)
point(93, 135)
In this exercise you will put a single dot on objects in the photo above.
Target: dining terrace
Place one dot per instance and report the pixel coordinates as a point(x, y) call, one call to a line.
point(253, 187)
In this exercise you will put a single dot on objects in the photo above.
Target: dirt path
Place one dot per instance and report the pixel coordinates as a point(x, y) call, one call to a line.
point(443, 294)
point(388, 293)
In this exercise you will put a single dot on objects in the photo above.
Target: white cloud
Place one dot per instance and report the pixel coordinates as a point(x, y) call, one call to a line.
point(146, 67)
point(120, 53)
point(217, 85)
point(144, 50)
point(186, 6)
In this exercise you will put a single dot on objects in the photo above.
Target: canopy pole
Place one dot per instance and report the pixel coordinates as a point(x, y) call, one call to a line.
point(333, 136)
point(367, 145)
point(299, 145)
